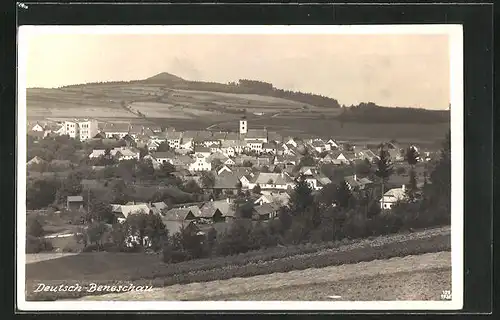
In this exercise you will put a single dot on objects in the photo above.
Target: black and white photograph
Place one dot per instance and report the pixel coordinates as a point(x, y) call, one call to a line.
point(240, 167)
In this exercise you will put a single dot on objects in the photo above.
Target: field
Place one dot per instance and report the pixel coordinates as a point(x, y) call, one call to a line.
point(147, 269)
point(198, 110)
point(421, 277)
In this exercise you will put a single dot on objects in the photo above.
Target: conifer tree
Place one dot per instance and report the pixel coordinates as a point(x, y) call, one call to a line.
point(384, 170)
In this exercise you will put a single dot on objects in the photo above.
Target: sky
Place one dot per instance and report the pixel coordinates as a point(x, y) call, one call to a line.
point(409, 70)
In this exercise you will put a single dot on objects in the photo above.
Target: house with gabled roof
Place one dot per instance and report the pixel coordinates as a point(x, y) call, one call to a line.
point(179, 214)
point(271, 181)
point(37, 127)
point(116, 130)
point(163, 157)
point(173, 139)
point(392, 197)
point(217, 211)
point(202, 151)
point(200, 164)
point(355, 183)
point(265, 211)
point(256, 134)
point(36, 160)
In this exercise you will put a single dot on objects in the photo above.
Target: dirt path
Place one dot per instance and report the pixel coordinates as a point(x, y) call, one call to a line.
point(410, 278)
point(37, 257)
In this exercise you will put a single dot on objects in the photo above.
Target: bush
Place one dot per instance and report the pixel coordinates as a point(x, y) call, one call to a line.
point(37, 245)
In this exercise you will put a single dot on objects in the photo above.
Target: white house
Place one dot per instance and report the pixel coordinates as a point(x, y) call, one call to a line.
point(71, 129)
point(273, 181)
point(153, 145)
point(127, 153)
point(37, 127)
point(164, 157)
point(118, 130)
point(255, 145)
point(200, 164)
point(333, 144)
point(88, 128)
point(202, 151)
point(391, 197)
point(173, 139)
point(187, 144)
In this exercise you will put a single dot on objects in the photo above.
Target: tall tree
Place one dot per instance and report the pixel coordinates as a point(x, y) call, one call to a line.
point(384, 170)
point(207, 179)
point(257, 189)
point(301, 197)
point(343, 195)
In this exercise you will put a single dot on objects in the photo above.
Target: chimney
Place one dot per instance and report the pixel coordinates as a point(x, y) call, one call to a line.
point(228, 200)
point(355, 177)
point(403, 187)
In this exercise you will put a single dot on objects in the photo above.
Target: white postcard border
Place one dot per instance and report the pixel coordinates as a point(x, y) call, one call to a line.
point(457, 142)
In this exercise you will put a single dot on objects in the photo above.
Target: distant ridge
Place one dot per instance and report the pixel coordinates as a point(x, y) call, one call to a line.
point(164, 77)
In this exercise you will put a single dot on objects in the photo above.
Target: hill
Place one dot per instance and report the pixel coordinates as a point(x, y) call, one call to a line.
point(164, 77)
point(168, 100)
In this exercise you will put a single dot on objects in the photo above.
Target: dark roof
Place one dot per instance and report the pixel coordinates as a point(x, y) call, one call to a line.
point(256, 133)
point(210, 208)
point(202, 149)
point(163, 154)
point(265, 209)
point(177, 214)
point(226, 180)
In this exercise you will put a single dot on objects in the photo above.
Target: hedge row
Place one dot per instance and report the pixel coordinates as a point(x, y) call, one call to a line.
point(322, 259)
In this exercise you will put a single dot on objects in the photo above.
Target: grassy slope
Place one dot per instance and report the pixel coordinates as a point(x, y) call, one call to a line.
point(113, 268)
point(401, 278)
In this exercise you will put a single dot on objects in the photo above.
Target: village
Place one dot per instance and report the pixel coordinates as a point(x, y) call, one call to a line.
point(258, 164)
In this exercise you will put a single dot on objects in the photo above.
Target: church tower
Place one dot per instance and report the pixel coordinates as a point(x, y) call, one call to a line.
point(243, 126)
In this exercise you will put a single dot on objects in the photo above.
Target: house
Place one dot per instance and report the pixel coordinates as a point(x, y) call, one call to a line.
point(74, 202)
point(127, 153)
point(202, 151)
point(224, 168)
point(218, 210)
point(174, 227)
point(116, 130)
point(277, 199)
point(200, 164)
point(182, 162)
point(367, 154)
point(187, 143)
point(233, 147)
point(60, 164)
point(392, 197)
point(395, 155)
point(135, 131)
point(273, 181)
point(229, 162)
point(173, 139)
point(123, 211)
point(37, 127)
point(100, 135)
point(129, 140)
point(256, 134)
point(164, 157)
point(255, 145)
point(152, 145)
point(226, 182)
point(179, 214)
point(36, 160)
point(333, 144)
point(265, 211)
point(355, 183)
point(159, 205)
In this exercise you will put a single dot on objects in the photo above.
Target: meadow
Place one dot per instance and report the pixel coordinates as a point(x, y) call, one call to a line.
point(140, 268)
point(197, 110)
